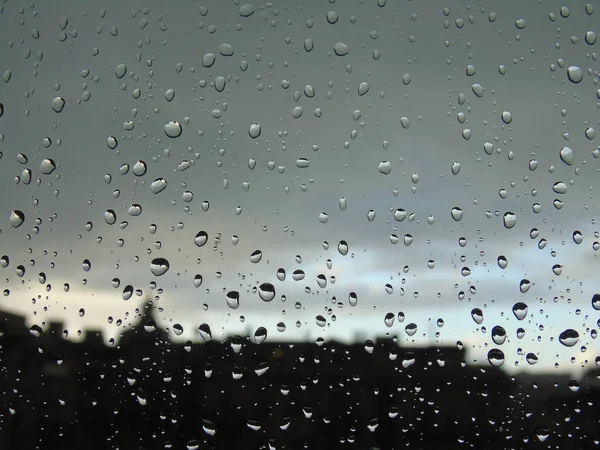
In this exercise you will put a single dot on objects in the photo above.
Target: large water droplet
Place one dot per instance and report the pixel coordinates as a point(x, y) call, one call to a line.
point(520, 309)
point(298, 275)
point(139, 168)
point(120, 70)
point(477, 315)
point(205, 332)
point(158, 185)
point(16, 218)
point(385, 167)
point(340, 49)
point(410, 329)
point(456, 213)
point(226, 49)
point(596, 302)
point(567, 156)
point(47, 166)
point(201, 238)
point(254, 130)
point(256, 256)
point(260, 335)
point(159, 266)
point(173, 129)
point(58, 103)
point(246, 10)
point(496, 357)
point(343, 248)
point(502, 262)
point(110, 217)
point(389, 319)
point(320, 321)
point(498, 335)
point(560, 187)
point(266, 292)
point(524, 285)
point(569, 337)
point(363, 88)
point(509, 219)
point(233, 299)
point(575, 74)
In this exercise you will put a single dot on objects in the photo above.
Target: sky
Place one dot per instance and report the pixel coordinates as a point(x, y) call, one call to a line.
point(469, 105)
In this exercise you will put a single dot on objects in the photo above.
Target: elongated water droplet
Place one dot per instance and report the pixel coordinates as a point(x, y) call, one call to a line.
point(233, 299)
point(260, 335)
point(120, 70)
point(340, 49)
point(158, 185)
point(254, 130)
point(477, 315)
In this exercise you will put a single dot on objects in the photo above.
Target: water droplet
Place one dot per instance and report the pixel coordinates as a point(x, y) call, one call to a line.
point(112, 142)
point(477, 315)
point(506, 117)
point(385, 167)
point(173, 129)
point(567, 156)
point(47, 166)
point(302, 163)
point(16, 218)
point(343, 248)
point(226, 49)
point(560, 187)
point(455, 168)
point(575, 74)
point(498, 335)
point(569, 337)
point(400, 215)
point(496, 357)
point(410, 329)
point(509, 219)
point(201, 238)
point(177, 329)
point(521, 24)
point(254, 130)
point(139, 168)
point(298, 275)
point(352, 299)
point(110, 217)
point(159, 266)
point(256, 256)
point(520, 309)
point(158, 185)
point(208, 60)
point(389, 319)
point(477, 90)
point(233, 299)
point(266, 292)
point(246, 10)
point(260, 335)
point(502, 262)
point(531, 358)
point(281, 274)
point(35, 330)
point(557, 269)
point(120, 70)
point(363, 88)
point(590, 37)
point(169, 94)
point(456, 213)
point(127, 292)
point(340, 49)
point(205, 332)
point(58, 103)
point(320, 321)
point(86, 265)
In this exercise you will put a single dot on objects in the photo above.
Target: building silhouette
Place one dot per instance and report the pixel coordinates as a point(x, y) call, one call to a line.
point(150, 393)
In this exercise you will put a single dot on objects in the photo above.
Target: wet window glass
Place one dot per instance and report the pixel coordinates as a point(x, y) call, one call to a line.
point(299, 225)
